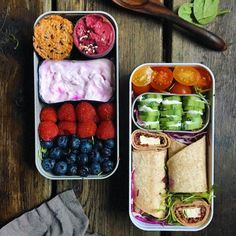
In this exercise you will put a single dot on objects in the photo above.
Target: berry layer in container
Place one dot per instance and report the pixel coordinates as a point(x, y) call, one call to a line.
point(40, 103)
point(144, 148)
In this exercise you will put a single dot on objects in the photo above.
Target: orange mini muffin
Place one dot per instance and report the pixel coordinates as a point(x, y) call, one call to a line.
point(53, 37)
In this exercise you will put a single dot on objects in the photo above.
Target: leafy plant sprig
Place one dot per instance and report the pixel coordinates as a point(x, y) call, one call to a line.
point(201, 12)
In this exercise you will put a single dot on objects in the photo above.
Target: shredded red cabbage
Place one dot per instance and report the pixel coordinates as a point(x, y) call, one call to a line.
point(187, 138)
point(132, 95)
point(148, 220)
point(132, 190)
point(139, 121)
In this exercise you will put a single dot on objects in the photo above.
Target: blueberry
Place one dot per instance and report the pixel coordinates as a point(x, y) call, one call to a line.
point(56, 153)
point(48, 164)
point(84, 140)
point(95, 168)
point(84, 171)
point(109, 143)
point(62, 141)
point(86, 147)
point(83, 159)
point(44, 155)
point(74, 142)
point(104, 158)
point(72, 158)
point(60, 168)
point(72, 169)
point(46, 144)
point(106, 152)
point(98, 144)
point(75, 151)
point(65, 153)
point(107, 166)
point(95, 156)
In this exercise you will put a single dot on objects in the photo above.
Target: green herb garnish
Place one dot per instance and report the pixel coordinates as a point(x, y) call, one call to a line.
point(201, 12)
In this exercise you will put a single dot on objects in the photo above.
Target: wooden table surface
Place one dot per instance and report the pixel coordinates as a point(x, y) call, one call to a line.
point(142, 39)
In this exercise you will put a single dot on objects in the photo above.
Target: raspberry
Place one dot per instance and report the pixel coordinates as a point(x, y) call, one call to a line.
point(86, 129)
point(67, 127)
point(66, 112)
point(85, 112)
point(48, 130)
point(106, 111)
point(105, 130)
point(48, 114)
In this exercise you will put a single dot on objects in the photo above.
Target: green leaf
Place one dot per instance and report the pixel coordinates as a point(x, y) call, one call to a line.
point(205, 11)
point(185, 12)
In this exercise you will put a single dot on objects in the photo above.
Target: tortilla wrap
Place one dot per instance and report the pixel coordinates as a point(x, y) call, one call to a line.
point(195, 219)
point(187, 169)
point(149, 184)
point(162, 141)
point(175, 147)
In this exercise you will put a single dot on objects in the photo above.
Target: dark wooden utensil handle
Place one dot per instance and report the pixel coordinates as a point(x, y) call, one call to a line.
point(201, 35)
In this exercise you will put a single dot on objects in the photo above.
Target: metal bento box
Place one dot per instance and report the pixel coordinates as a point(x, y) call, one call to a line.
point(100, 63)
point(171, 150)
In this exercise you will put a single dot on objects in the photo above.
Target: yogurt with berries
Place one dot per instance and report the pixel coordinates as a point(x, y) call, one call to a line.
point(68, 80)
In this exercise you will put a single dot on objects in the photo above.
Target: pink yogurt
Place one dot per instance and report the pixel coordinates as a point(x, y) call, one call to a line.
point(66, 80)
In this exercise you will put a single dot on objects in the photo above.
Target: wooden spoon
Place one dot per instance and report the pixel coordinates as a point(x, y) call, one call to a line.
point(155, 8)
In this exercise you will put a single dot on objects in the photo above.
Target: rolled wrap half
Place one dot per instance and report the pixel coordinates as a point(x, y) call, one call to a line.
point(144, 140)
point(149, 184)
point(175, 147)
point(191, 214)
point(187, 169)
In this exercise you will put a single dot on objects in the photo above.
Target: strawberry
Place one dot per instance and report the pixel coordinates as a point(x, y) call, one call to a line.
point(106, 111)
point(48, 114)
point(66, 112)
point(67, 127)
point(48, 130)
point(86, 129)
point(105, 130)
point(85, 112)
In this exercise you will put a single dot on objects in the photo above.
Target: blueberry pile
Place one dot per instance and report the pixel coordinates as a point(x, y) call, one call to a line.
point(70, 155)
